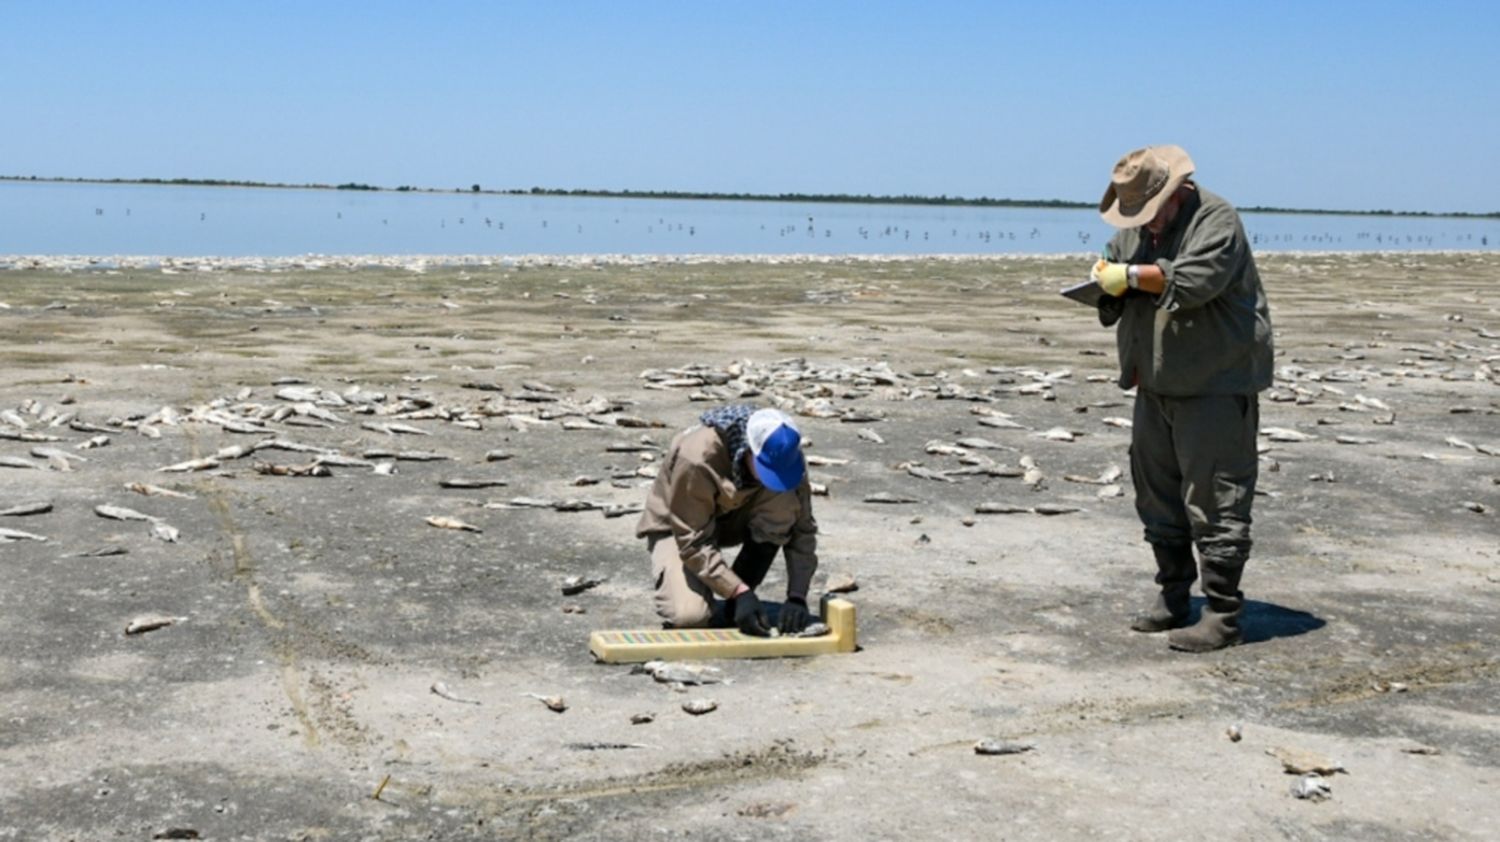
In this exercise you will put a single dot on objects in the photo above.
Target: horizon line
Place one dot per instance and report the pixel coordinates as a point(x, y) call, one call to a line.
point(829, 198)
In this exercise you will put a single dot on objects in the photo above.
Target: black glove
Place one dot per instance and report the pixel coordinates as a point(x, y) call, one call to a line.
point(750, 615)
point(1111, 309)
point(793, 615)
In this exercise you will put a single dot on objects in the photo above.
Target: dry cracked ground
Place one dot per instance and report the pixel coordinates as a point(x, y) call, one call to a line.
point(292, 695)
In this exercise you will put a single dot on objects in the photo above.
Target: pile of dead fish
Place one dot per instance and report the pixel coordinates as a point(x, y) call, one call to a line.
point(798, 386)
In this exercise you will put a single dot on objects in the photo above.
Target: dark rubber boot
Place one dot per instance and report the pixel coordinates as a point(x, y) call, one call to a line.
point(1220, 624)
point(753, 562)
point(1175, 572)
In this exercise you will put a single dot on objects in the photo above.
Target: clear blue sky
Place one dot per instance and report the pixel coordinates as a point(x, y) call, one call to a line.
point(1357, 105)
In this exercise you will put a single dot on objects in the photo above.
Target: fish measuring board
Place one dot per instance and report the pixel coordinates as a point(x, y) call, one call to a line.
point(640, 645)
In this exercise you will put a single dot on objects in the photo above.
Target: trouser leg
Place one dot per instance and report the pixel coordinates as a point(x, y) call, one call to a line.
point(1175, 572)
point(1194, 467)
point(1216, 445)
point(681, 599)
point(1220, 624)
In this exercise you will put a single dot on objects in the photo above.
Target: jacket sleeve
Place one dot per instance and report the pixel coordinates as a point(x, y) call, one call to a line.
point(1206, 263)
point(801, 549)
point(691, 494)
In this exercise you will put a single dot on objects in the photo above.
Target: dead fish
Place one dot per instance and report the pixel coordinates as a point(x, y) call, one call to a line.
point(1033, 477)
point(85, 427)
point(339, 460)
point(444, 522)
point(96, 441)
point(420, 456)
point(1475, 506)
point(120, 513)
point(311, 469)
point(1056, 434)
point(36, 507)
point(888, 498)
point(674, 672)
point(161, 530)
point(1109, 492)
point(574, 505)
point(927, 473)
point(149, 622)
point(823, 461)
point(8, 535)
point(842, 582)
point(1000, 423)
point(1312, 788)
point(1373, 403)
point(460, 482)
point(384, 469)
point(203, 464)
point(100, 552)
point(392, 429)
point(1451, 441)
point(614, 511)
point(982, 444)
point(815, 629)
point(871, 436)
point(18, 462)
point(1282, 434)
point(574, 585)
point(698, 707)
point(523, 503)
point(23, 435)
point(1301, 762)
point(1111, 474)
point(627, 447)
point(1000, 509)
point(1348, 439)
point(553, 703)
point(440, 689)
point(497, 455)
point(1054, 509)
point(1113, 421)
point(1421, 749)
point(1001, 747)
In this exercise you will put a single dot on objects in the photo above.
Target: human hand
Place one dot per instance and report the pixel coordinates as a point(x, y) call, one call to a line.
point(750, 615)
point(1113, 278)
point(793, 615)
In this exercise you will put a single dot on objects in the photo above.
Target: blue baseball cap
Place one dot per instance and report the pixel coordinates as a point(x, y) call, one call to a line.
point(776, 444)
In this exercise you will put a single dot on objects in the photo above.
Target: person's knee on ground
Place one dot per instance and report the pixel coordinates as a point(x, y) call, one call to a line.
point(686, 616)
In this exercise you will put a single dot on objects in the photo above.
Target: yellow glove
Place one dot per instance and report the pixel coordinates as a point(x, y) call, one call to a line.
point(1113, 278)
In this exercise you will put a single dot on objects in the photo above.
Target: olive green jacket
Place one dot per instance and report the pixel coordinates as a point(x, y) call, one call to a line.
point(1209, 332)
point(694, 499)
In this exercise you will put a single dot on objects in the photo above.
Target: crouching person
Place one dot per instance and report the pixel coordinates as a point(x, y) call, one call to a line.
point(737, 478)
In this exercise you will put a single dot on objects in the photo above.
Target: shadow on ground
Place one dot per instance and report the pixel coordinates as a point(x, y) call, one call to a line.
point(1263, 621)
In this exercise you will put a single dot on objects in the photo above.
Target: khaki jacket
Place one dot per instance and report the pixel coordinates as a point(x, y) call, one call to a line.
point(694, 500)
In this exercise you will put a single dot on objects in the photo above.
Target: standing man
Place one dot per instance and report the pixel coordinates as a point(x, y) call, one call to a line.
point(737, 477)
point(1195, 341)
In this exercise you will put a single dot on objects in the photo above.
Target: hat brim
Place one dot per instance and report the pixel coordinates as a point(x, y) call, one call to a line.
point(1179, 169)
point(779, 478)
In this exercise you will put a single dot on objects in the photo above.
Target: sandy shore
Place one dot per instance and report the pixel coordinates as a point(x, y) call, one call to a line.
point(312, 615)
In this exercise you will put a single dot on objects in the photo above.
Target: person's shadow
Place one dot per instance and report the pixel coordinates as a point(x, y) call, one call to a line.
point(1263, 621)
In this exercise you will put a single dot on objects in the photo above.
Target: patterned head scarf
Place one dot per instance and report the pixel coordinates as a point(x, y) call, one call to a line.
point(730, 422)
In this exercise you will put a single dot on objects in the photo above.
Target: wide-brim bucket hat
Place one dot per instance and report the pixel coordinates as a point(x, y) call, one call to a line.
point(1142, 182)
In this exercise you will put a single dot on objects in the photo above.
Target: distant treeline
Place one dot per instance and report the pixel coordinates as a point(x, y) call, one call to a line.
point(829, 198)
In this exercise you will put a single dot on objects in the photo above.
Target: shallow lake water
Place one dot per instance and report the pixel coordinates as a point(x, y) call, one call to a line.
point(48, 218)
